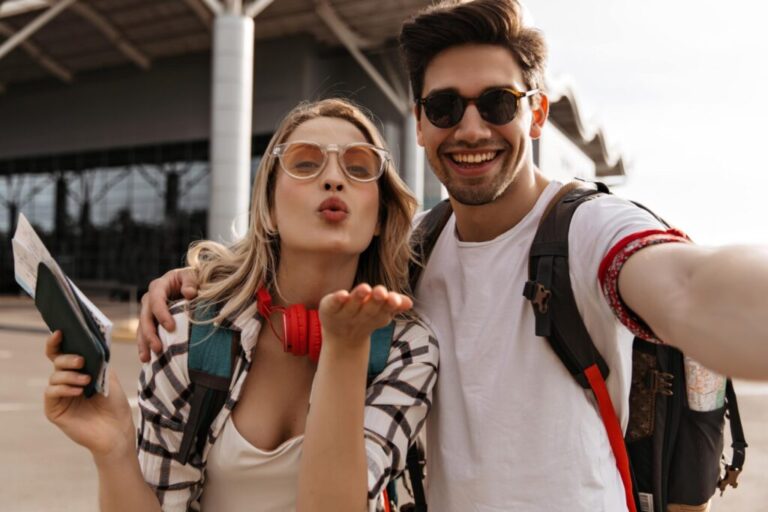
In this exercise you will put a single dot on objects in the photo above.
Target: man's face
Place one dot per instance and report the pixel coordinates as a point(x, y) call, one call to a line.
point(476, 160)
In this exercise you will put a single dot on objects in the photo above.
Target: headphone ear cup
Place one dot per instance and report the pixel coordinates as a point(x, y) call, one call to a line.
point(296, 332)
point(314, 335)
point(289, 327)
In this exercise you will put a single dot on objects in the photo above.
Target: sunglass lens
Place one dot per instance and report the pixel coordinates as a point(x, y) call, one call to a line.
point(361, 163)
point(497, 106)
point(302, 160)
point(444, 109)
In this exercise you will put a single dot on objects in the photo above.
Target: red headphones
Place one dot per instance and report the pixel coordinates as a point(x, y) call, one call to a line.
point(301, 326)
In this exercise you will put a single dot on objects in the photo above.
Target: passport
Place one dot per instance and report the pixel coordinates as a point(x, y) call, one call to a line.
point(63, 310)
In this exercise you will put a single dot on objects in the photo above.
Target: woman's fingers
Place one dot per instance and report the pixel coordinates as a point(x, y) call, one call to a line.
point(334, 302)
point(62, 391)
point(362, 308)
point(398, 302)
point(69, 378)
point(52, 345)
point(68, 362)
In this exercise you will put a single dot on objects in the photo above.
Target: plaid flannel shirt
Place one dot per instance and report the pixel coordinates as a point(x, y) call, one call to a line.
point(396, 406)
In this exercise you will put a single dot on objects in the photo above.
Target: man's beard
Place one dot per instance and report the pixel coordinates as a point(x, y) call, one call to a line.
point(473, 191)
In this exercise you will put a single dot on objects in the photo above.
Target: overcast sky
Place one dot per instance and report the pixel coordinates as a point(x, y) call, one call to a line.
point(681, 89)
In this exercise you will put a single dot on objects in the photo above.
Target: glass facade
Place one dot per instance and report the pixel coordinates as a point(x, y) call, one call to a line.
point(113, 218)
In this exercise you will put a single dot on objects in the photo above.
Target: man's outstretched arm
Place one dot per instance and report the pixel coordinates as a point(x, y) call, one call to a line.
point(174, 284)
point(712, 303)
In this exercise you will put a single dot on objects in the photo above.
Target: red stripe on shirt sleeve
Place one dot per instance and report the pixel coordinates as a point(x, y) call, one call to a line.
point(613, 262)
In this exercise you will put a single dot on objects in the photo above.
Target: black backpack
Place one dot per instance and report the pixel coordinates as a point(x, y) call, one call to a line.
point(212, 352)
point(670, 453)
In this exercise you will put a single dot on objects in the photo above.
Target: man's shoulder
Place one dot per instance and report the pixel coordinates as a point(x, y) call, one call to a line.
point(609, 215)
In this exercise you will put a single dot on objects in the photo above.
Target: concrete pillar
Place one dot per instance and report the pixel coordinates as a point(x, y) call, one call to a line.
point(232, 93)
point(413, 159)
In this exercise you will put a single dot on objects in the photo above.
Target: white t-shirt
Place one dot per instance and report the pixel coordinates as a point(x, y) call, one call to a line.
point(510, 429)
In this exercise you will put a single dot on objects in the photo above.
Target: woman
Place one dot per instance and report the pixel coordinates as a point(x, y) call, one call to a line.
point(329, 214)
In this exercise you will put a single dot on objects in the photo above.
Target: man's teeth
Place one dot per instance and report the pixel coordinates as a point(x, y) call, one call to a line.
point(473, 158)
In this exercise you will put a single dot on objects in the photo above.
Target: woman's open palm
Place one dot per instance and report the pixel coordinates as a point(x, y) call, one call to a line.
point(356, 314)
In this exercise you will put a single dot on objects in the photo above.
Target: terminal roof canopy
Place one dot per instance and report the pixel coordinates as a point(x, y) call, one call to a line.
point(93, 34)
point(61, 39)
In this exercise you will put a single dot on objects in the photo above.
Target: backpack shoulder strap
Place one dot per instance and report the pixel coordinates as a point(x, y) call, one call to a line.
point(424, 238)
point(381, 342)
point(549, 287)
point(210, 362)
point(738, 443)
point(558, 319)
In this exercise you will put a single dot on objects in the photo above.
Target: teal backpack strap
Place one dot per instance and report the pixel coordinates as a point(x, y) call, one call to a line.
point(381, 341)
point(210, 361)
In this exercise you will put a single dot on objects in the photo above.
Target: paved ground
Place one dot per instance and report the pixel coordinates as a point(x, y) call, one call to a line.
point(41, 470)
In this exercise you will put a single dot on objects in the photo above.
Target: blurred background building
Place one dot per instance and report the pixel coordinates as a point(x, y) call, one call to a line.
point(117, 118)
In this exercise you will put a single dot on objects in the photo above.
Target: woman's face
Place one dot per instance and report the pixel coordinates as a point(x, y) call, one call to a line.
point(328, 213)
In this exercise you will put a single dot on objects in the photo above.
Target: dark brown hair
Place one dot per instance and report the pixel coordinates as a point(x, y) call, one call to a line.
point(455, 22)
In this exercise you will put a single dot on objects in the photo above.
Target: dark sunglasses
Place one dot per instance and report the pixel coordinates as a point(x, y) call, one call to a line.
point(445, 109)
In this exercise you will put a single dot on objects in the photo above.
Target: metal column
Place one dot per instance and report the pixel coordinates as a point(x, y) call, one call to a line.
point(232, 84)
point(413, 159)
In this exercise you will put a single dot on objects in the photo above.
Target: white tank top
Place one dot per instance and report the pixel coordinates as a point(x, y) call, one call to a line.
point(240, 476)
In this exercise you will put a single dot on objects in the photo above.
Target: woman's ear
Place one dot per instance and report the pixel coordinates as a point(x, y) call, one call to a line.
point(540, 111)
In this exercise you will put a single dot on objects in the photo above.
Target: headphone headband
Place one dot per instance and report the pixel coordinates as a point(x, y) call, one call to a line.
point(264, 300)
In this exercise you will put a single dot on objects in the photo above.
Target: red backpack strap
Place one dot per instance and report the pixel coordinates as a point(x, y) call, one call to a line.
point(613, 429)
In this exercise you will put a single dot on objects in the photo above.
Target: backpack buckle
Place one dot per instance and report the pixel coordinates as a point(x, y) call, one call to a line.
point(661, 382)
point(538, 295)
point(729, 478)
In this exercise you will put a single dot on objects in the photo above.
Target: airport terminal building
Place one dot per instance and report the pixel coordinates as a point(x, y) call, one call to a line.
point(111, 137)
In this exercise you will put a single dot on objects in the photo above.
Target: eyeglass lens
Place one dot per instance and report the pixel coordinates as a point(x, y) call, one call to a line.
point(306, 160)
point(446, 109)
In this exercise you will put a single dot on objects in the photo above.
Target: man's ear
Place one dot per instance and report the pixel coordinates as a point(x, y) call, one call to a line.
point(540, 110)
point(416, 113)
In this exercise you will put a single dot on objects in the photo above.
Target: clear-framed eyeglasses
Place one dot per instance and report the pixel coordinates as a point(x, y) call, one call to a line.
point(359, 161)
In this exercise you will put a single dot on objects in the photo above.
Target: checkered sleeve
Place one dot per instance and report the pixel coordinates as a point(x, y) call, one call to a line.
point(164, 387)
point(397, 403)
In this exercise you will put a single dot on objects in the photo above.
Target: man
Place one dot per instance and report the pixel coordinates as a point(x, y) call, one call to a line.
point(510, 428)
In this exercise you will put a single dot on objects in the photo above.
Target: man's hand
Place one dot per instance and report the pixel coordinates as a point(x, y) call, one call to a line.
point(174, 284)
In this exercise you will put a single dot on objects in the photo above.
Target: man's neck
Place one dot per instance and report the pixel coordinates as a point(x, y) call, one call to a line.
point(486, 222)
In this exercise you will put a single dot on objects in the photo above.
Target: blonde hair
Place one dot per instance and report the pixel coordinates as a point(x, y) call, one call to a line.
point(230, 276)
